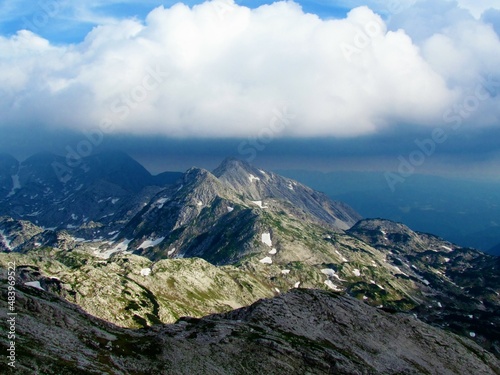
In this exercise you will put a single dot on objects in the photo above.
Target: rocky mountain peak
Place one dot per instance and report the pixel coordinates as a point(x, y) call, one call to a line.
point(244, 178)
point(194, 174)
point(233, 166)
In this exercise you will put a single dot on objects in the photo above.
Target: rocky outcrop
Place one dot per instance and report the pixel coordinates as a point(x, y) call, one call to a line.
point(304, 331)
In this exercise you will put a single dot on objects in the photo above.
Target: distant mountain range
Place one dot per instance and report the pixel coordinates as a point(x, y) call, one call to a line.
point(138, 250)
point(108, 188)
point(464, 211)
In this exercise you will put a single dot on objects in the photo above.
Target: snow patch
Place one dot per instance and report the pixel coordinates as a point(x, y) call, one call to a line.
point(331, 285)
point(446, 260)
point(266, 238)
point(439, 305)
point(199, 203)
point(5, 240)
point(447, 248)
point(252, 178)
point(114, 200)
point(259, 203)
point(384, 233)
point(328, 272)
point(230, 209)
point(15, 185)
point(74, 216)
point(150, 243)
point(122, 246)
point(343, 258)
point(399, 270)
point(285, 272)
point(273, 251)
point(297, 284)
point(356, 272)
point(145, 271)
point(277, 290)
point(170, 252)
point(472, 334)
point(266, 260)
point(34, 284)
point(160, 202)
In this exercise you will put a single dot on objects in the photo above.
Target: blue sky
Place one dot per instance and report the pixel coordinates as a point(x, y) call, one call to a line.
point(63, 21)
point(372, 79)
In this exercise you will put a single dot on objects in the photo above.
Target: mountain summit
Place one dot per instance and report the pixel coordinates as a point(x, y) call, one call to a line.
point(258, 185)
point(221, 216)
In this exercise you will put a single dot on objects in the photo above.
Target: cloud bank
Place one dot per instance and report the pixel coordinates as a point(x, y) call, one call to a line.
point(222, 70)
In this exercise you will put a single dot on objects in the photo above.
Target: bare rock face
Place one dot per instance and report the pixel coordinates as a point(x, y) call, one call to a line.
point(257, 185)
point(301, 332)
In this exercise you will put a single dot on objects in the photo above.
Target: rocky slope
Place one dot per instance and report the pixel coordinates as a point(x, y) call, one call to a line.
point(132, 291)
point(382, 263)
point(221, 216)
point(460, 286)
point(302, 332)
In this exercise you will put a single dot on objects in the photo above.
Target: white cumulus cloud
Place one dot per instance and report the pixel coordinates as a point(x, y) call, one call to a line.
point(221, 70)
